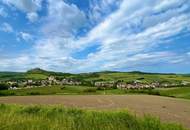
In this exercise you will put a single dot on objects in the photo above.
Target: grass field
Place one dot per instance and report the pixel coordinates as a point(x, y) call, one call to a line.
point(16, 117)
point(178, 92)
point(183, 92)
point(53, 90)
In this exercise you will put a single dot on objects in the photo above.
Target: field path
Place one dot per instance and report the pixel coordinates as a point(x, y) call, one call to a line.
point(168, 109)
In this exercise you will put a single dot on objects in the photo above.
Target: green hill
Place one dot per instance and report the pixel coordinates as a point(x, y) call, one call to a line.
point(38, 74)
point(37, 71)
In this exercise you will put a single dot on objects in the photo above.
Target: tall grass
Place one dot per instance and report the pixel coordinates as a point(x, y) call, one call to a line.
point(18, 117)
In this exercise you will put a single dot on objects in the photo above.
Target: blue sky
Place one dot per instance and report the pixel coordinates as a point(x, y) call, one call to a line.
point(95, 35)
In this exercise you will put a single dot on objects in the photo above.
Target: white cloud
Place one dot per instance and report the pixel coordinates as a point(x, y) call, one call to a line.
point(127, 32)
point(100, 9)
point(128, 37)
point(28, 6)
point(3, 13)
point(32, 16)
point(25, 5)
point(63, 19)
point(124, 33)
point(53, 47)
point(25, 36)
point(168, 4)
point(6, 28)
point(20, 63)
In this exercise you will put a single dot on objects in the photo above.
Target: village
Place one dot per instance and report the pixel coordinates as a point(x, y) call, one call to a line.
point(52, 80)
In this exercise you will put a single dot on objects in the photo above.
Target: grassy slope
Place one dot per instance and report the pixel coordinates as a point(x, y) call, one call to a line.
point(147, 77)
point(126, 76)
point(19, 76)
point(15, 117)
point(35, 76)
point(183, 92)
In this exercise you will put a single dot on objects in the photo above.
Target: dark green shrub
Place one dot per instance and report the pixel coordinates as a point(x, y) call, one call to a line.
point(4, 86)
point(15, 85)
point(100, 88)
point(114, 87)
point(90, 90)
point(33, 93)
point(141, 78)
point(62, 87)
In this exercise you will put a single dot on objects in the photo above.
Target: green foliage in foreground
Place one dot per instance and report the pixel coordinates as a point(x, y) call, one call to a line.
point(14, 117)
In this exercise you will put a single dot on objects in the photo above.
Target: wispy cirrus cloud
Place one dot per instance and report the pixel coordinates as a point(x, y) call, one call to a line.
point(133, 34)
point(30, 7)
point(128, 34)
point(99, 10)
point(63, 19)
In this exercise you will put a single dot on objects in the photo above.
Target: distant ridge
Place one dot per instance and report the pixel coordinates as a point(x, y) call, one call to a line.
point(39, 74)
point(47, 72)
point(36, 70)
point(140, 72)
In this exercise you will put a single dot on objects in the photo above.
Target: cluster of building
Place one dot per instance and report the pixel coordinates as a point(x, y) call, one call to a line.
point(123, 85)
point(137, 84)
point(51, 80)
point(105, 84)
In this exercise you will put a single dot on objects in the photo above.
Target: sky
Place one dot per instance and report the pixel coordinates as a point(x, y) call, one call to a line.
point(95, 35)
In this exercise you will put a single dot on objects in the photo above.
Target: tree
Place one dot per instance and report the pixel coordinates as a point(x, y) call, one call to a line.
point(4, 86)
point(15, 85)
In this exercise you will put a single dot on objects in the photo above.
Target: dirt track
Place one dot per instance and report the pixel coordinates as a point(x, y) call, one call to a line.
point(168, 109)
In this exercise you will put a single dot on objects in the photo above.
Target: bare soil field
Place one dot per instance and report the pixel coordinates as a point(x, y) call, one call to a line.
point(167, 109)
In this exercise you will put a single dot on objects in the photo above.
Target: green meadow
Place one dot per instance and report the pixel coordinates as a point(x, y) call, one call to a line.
point(176, 92)
point(18, 117)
